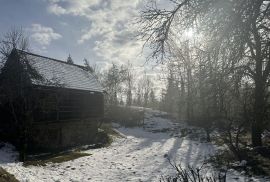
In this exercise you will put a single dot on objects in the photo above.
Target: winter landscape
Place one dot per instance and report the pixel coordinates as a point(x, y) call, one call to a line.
point(141, 90)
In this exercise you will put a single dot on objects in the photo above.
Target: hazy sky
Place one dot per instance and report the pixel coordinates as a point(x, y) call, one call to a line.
point(99, 30)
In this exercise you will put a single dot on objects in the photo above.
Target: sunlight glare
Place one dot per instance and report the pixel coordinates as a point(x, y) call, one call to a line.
point(189, 33)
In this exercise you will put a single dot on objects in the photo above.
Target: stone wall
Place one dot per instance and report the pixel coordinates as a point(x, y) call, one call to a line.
point(61, 135)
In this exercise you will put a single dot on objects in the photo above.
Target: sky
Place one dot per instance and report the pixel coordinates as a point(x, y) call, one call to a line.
point(101, 31)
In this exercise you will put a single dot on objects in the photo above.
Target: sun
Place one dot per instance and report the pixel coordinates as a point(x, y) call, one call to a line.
point(189, 33)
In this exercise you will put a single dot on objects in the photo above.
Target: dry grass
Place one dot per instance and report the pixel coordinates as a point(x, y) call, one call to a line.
point(55, 158)
point(105, 137)
point(107, 128)
point(6, 177)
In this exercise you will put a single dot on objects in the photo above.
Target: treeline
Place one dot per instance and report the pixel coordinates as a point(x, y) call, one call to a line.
point(127, 86)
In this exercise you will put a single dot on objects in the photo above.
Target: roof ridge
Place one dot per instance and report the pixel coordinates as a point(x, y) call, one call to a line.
point(53, 59)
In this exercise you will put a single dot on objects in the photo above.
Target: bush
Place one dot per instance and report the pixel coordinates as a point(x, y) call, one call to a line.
point(126, 116)
point(193, 174)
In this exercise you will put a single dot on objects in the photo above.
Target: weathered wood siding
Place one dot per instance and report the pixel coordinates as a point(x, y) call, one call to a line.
point(61, 135)
point(65, 104)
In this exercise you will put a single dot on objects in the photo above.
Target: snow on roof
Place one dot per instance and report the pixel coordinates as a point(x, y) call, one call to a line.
point(59, 73)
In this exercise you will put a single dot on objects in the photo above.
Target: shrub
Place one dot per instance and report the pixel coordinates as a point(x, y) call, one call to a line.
point(193, 174)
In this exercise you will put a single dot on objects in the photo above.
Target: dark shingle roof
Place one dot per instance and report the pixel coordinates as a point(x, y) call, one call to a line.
point(59, 73)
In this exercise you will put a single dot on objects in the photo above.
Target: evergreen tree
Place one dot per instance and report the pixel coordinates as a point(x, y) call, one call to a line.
point(69, 60)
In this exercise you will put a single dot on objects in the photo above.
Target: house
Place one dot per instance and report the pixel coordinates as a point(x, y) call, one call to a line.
point(48, 104)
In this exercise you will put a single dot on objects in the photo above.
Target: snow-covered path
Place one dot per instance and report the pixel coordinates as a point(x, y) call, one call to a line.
point(138, 156)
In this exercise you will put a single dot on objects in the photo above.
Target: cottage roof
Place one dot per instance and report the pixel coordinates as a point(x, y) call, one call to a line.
point(59, 73)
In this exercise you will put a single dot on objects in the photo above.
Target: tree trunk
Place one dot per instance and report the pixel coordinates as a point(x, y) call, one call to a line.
point(259, 105)
point(189, 85)
point(256, 135)
point(181, 113)
point(208, 138)
point(259, 108)
point(189, 97)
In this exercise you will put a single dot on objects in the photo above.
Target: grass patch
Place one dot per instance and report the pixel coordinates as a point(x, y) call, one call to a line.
point(105, 136)
point(55, 158)
point(6, 177)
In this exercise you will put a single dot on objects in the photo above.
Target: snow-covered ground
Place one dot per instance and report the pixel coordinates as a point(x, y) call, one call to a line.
point(140, 155)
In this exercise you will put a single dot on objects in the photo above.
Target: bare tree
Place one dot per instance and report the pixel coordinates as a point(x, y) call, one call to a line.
point(129, 81)
point(239, 28)
point(113, 80)
point(87, 65)
point(147, 86)
point(13, 39)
